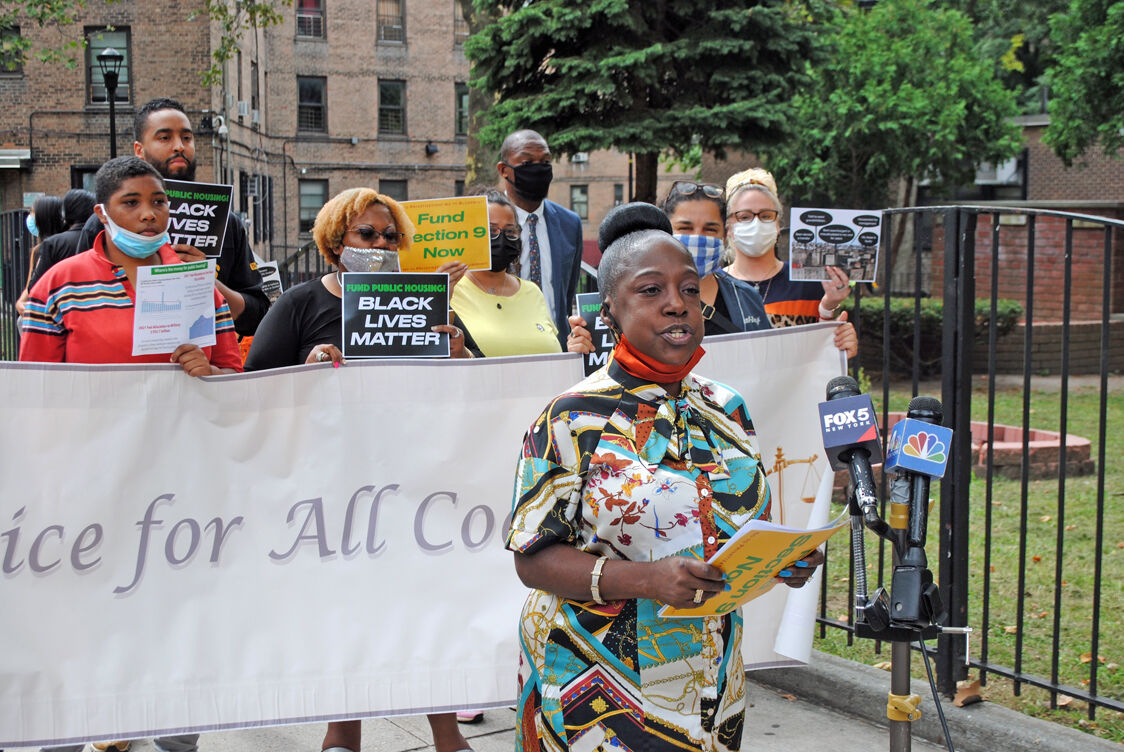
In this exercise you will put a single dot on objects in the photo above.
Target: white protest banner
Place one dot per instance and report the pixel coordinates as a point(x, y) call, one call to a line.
point(307, 544)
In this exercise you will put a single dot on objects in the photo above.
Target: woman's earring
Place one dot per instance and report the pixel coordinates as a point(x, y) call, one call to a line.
point(611, 322)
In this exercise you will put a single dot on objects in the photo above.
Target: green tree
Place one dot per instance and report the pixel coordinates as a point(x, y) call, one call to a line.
point(644, 77)
point(234, 17)
point(902, 95)
point(1016, 35)
point(1087, 79)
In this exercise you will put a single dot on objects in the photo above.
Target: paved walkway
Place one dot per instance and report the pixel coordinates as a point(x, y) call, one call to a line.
point(774, 721)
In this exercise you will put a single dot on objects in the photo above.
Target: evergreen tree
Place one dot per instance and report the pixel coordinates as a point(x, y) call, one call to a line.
point(646, 76)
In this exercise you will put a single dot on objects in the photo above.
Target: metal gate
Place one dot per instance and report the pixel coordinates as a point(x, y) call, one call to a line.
point(15, 256)
point(980, 255)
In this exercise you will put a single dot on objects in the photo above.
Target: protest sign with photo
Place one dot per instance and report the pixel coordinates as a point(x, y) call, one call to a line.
point(199, 212)
point(447, 229)
point(589, 307)
point(846, 238)
point(391, 315)
point(270, 279)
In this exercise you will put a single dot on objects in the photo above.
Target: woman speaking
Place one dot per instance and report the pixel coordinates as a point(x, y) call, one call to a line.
point(626, 484)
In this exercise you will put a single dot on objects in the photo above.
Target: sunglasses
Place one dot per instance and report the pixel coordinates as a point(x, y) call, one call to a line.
point(369, 234)
point(686, 188)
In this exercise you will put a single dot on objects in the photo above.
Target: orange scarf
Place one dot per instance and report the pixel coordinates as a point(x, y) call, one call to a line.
point(642, 367)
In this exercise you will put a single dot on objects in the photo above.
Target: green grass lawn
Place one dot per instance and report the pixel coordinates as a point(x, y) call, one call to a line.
point(1038, 607)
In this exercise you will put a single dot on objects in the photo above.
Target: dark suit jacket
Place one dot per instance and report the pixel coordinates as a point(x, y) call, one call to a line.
point(564, 229)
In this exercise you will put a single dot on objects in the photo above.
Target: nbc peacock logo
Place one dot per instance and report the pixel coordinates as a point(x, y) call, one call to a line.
point(925, 446)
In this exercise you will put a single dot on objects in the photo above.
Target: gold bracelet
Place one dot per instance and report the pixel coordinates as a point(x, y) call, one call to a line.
point(595, 581)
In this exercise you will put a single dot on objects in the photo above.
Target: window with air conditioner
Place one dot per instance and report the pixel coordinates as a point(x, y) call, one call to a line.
point(310, 19)
point(390, 20)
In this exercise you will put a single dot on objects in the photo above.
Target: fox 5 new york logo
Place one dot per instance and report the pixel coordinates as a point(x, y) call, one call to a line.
point(847, 419)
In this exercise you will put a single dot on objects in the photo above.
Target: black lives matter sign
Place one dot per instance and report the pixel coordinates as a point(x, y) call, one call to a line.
point(199, 212)
point(589, 307)
point(391, 315)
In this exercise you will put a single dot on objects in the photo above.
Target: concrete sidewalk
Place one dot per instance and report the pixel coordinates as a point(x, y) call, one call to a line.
point(774, 721)
point(831, 704)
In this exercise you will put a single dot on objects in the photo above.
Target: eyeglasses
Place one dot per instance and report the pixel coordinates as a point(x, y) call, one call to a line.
point(747, 215)
point(687, 188)
point(369, 234)
point(511, 232)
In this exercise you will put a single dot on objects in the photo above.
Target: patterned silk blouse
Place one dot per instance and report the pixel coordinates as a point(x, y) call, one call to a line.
point(618, 467)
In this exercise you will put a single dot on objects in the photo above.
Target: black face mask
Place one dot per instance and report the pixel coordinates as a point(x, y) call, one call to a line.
point(532, 180)
point(504, 252)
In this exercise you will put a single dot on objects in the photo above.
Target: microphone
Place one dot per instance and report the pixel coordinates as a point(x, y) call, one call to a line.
point(918, 449)
point(919, 446)
point(850, 437)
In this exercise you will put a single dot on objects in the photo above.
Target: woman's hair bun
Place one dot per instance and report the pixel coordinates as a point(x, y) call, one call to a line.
point(627, 218)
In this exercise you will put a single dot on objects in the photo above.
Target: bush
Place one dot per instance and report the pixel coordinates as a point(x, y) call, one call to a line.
point(930, 321)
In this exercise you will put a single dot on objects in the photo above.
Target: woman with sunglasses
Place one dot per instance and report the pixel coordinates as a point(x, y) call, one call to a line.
point(697, 213)
point(357, 231)
point(752, 226)
point(698, 218)
point(500, 313)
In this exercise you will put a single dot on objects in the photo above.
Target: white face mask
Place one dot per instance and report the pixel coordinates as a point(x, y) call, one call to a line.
point(755, 238)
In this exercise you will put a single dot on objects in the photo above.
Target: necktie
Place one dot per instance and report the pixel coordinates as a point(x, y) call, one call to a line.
point(533, 260)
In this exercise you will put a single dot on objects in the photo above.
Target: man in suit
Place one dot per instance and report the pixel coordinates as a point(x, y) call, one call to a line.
point(552, 234)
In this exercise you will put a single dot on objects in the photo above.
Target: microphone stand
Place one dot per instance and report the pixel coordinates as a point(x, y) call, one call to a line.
point(914, 610)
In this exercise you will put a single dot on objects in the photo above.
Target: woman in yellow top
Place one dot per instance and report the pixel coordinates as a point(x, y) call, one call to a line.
point(500, 313)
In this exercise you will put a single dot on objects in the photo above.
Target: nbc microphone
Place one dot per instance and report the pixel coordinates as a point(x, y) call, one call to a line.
point(919, 445)
point(918, 448)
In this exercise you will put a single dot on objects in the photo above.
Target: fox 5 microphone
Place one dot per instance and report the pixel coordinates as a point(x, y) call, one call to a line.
point(917, 450)
point(850, 437)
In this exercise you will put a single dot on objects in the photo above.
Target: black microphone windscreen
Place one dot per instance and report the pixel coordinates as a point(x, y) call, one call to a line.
point(842, 386)
point(926, 408)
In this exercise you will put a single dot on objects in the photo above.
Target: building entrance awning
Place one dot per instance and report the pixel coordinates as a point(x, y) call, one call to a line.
point(14, 159)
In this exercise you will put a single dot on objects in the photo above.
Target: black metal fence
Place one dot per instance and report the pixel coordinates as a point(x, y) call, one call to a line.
point(15, 257)
point(972, 258)
point(304, 264)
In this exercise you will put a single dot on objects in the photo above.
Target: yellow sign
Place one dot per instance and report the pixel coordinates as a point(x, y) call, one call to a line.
point(752, 558)
point(447, 229)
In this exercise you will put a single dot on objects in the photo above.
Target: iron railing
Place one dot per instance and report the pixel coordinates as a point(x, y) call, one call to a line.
point(15, 256)
point(1007, 250)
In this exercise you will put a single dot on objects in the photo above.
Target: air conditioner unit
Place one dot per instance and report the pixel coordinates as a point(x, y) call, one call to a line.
point(243, 108)
point(252, 186)
point(255, 117)
point(581, 156)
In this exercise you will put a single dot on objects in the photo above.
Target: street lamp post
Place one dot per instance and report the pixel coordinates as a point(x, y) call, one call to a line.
point(109, 60)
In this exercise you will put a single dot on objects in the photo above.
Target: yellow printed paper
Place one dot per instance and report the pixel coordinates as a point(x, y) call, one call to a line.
point(752, 558)
point(447, 229)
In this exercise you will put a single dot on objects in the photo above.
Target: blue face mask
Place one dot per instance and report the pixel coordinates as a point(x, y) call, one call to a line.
point(31, 226)
point(705, 250)
point(132, 243)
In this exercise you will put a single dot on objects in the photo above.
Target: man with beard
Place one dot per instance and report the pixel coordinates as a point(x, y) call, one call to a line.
point(165, 140)
point(552, 234)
